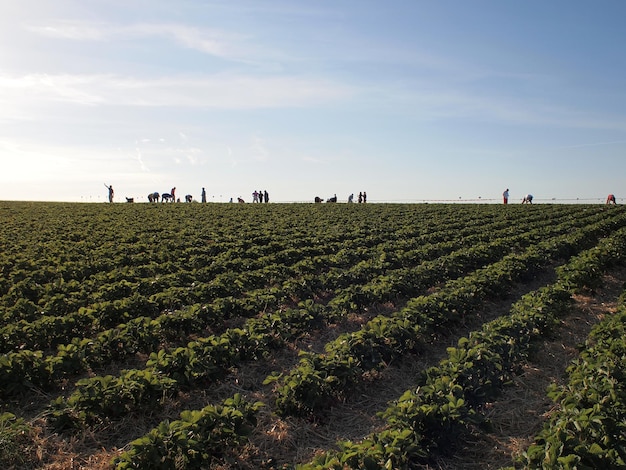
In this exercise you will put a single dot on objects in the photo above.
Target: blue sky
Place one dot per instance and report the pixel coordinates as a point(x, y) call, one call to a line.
point(408, 100)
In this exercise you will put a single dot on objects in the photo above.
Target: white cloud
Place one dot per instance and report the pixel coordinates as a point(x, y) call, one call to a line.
point(25, 96)
point(213, 42)
point(37, 88)
point(140, 160)
point(74, 30)
point(221, 91)
point(207, 41)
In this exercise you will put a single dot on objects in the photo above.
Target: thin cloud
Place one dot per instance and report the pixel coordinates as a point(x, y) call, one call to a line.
point(140, 160)
point(210, 42)
point(259, 149)
point(432, 103)
point(78, 89)
point(221, 91)
point(213, 42)
point(193, 155)
point(73, 30)
point(313, 160)
point(594, 144)
point(20, 94)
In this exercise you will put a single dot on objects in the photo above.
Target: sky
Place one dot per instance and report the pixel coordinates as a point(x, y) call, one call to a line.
point(408, 100)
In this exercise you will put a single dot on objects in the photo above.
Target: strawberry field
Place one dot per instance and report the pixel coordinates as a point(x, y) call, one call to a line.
point(311, 336)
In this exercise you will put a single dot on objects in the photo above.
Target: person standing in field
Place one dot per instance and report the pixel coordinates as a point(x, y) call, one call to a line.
point(364, 197)
point(260, 196)
point(528, 199)
point(203, 195)
point(267, 196)
point(505, 196)
point(173, 193)
point(611, 199)
point(111, 192)
point(255, 196)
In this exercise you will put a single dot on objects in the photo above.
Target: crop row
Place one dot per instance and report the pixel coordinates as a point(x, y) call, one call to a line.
point(210, 358)
point(446, 400)
point(588, 428)
point(55, 271)
point(299, 271)
point(46, 278)
point(320, 378)
point(129, 269)
point(33, 368)
point(198, 439)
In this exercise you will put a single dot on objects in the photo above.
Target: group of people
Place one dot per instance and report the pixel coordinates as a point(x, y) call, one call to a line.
point(362, 198)
point(528, 199)
point(259, 196)
point(263, 196)
point(165, 197)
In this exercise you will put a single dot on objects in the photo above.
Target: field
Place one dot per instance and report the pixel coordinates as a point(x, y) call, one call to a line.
point(312, 336)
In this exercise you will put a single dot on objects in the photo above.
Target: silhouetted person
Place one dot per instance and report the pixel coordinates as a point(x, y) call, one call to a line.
point(203, 195)
point(111, 192)
point(267, 196)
